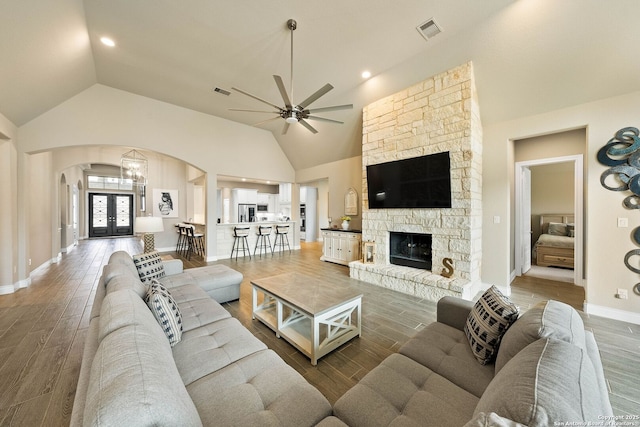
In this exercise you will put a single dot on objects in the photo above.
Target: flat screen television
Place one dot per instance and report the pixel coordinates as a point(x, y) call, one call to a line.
point(419, 182)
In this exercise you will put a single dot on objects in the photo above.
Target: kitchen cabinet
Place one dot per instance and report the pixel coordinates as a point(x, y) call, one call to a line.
point(245, 196)
point(285, 193)
point(341, 247)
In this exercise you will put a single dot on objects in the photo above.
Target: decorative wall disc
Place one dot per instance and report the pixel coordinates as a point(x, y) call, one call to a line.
point(636, 289)
point(631, 202)
point(636, 236)
point(629, 255)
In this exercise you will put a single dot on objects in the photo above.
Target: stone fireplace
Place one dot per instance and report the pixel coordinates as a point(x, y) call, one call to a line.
point(436, 115)
point(410, 250)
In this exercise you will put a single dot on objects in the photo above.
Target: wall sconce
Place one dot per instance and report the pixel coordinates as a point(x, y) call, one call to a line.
point(149, 225)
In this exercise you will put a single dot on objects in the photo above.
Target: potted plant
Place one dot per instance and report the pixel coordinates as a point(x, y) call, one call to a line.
point(345, 222)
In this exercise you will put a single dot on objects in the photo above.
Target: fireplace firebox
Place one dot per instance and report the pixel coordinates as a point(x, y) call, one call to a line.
point(410, 250)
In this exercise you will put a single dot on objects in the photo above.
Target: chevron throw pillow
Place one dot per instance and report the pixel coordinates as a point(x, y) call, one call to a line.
point(487, 322)
point(149, 266)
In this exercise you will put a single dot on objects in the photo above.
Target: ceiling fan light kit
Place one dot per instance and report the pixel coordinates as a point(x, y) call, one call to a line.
point(294, 113)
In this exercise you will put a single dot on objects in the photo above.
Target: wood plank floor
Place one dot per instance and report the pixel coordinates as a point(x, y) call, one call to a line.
point(43, 328)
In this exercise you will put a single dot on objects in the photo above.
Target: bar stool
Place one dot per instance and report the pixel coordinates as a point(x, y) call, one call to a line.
point(183, 240)
point(195, 242)
point(240, 239)
point(264, 240)
point(282, 238)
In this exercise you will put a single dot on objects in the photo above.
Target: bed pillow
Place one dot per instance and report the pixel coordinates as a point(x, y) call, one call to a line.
point(571, 230)
point(487, 322)
point(557, 229)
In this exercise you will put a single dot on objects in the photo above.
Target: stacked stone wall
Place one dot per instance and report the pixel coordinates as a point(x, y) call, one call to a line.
point(436, 115)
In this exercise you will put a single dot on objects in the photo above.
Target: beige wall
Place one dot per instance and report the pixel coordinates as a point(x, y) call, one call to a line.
point(101, 117)
point(552, 190)
point(607, 244)
point(341, 175)
point(8, 194)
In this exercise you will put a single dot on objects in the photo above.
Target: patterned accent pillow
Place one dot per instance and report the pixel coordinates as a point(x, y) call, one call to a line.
point(165, 310)
point(149, 266)
point(487, 322)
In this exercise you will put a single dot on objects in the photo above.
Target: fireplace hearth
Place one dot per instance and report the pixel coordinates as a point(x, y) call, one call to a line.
point(410, 250)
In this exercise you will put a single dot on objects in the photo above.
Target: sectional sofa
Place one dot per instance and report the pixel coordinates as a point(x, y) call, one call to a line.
point(217, 374)
point(547, 369)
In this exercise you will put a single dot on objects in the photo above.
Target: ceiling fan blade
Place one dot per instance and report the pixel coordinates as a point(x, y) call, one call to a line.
point(322, 119)
point(266, 121)
point(324, 89)
point(334, 108)
point(307, 125)
point(283, 91)
point(254, 111)
point(285, 128)
point(256, 98)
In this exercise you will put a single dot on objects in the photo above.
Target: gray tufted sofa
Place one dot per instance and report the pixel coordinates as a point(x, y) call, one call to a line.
point(218, 374)
point(547, 371)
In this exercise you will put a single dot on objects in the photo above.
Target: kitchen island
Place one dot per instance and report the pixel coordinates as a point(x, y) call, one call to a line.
point(224, 234)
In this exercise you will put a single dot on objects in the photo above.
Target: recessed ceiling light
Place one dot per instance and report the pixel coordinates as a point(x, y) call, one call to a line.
point(107, 41)
point(366, 74)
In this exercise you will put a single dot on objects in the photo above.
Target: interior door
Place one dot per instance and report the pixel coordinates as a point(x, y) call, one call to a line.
point(526, 219)
point(110, 215)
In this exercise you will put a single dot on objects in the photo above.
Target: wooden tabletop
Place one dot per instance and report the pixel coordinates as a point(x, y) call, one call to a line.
point(311, 295)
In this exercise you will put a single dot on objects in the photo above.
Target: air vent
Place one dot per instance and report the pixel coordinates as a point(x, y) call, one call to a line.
point(222, 91)
point(429, 29)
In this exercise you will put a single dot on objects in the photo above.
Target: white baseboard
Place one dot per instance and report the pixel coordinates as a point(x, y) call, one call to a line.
point(7, 289)
point(612, 313)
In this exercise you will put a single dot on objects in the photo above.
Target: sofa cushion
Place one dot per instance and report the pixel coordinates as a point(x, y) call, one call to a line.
point(165, 310)
point(446, 351)
point(548, 319)
point(528, 387)
point(125, 281)
point(123, 257)
point(125, 308)
point(149, 266)
point(489, 319)
point(134, 382)
point(117, 269)
point(402, 392)
point(260, 389)
point(214, 346)
point(200, 312)
point(218, 281)
point(491, 419)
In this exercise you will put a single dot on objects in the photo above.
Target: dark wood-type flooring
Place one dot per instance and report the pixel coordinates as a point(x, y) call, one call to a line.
point(43, 329)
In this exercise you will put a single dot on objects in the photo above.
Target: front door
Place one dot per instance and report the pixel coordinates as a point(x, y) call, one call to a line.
point(110, 215)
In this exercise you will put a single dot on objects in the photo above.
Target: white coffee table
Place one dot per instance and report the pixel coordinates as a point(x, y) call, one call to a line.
point(314, 315)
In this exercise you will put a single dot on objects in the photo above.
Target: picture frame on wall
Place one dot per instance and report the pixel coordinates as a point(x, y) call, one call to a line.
point(165, 203)
point(368, 252)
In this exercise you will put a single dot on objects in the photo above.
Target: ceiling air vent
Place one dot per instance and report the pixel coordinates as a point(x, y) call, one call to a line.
point(429, 29)
point(222, 91)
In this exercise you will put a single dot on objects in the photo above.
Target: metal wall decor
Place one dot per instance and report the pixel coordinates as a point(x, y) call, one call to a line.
point(622, 154)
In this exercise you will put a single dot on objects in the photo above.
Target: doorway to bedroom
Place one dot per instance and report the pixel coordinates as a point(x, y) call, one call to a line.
point(548, 214)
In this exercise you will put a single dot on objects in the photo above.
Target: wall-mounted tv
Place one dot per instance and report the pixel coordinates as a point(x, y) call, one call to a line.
point(419, 182)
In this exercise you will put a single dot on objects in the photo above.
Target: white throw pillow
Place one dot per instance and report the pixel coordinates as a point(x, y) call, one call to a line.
point(165, 310)
point(149, 266)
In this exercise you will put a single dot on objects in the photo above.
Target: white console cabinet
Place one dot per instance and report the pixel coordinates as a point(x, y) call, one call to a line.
point(341, 247)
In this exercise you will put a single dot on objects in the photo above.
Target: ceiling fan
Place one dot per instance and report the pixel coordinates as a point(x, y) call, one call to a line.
point(294, 113)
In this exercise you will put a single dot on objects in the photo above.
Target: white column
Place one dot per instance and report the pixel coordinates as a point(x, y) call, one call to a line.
point(211, 216)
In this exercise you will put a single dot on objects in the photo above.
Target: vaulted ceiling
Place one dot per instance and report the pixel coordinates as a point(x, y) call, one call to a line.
point(529, 56)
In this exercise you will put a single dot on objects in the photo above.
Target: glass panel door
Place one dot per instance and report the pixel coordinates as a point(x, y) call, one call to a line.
point(110, 215)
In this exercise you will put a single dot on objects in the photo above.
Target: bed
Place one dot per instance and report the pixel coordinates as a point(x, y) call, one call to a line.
point(555, 246)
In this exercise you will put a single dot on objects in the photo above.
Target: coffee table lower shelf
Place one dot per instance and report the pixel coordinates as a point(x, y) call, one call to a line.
point(313, 335)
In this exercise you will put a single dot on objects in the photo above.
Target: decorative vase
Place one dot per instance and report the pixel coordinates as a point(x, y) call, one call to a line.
point(345, 225)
